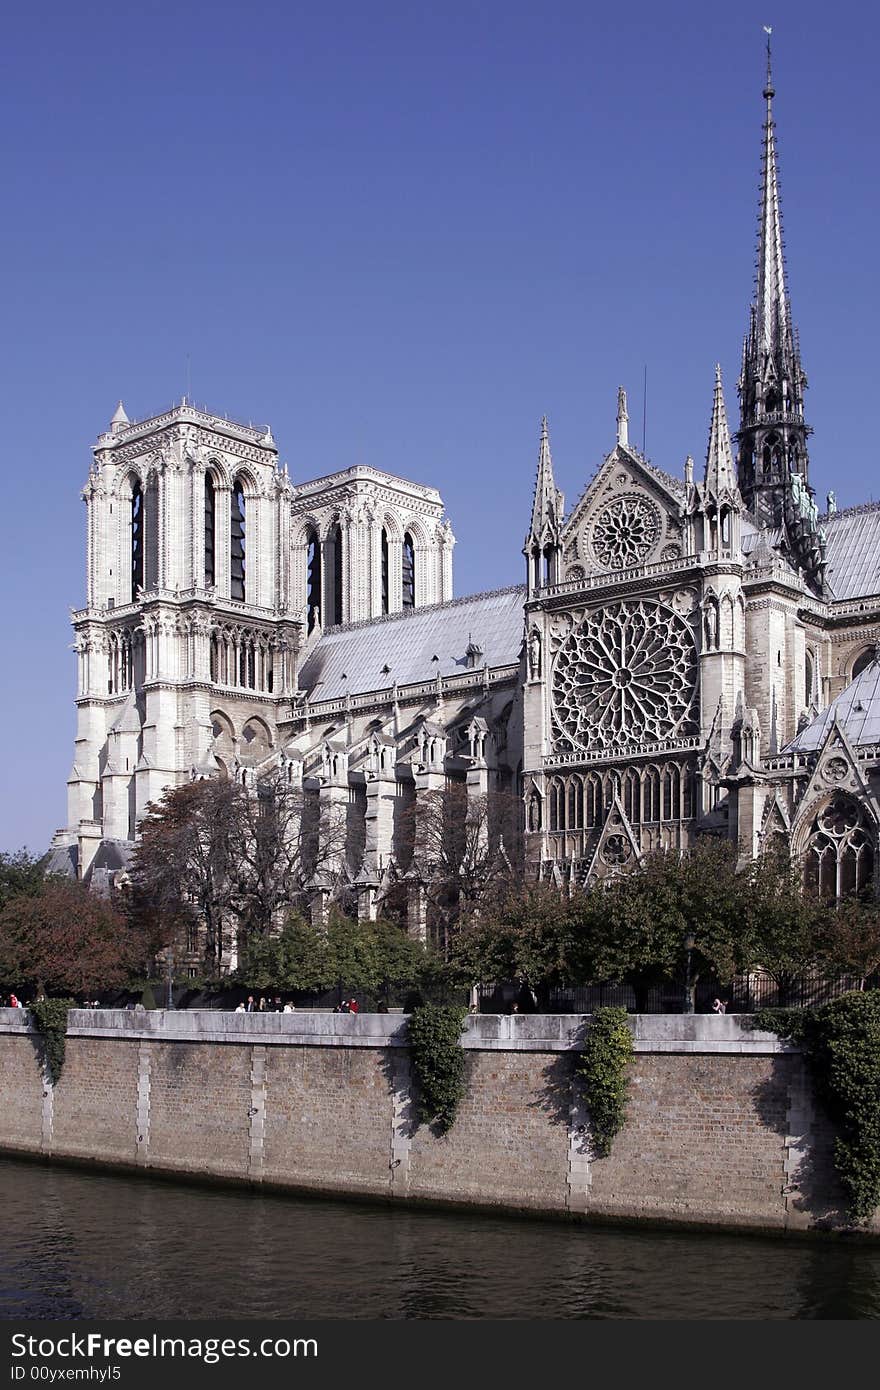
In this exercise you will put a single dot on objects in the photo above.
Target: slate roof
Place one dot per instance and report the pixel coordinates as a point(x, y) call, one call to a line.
point(857, 710)
point(350, 659)
point(853, 550)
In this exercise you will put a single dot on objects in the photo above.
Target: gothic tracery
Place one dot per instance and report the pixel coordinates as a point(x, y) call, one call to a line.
point(625, 532)
point(626, 674)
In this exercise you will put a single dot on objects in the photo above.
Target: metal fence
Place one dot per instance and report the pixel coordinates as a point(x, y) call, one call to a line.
point(744, 994)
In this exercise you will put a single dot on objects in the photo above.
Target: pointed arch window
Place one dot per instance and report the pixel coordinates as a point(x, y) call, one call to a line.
point(333, 553)
point(313, 578)
point(839, 858)
point(862, 662)
point(409, 572)
point(151, 533)
point(137, 538)
point(385, 594)
point(237, 542)
point(210, 531)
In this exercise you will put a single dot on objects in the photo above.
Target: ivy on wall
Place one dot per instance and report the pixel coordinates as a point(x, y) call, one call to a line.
point(603, 1066)
point(438, 1063)
point(841, 1042)
point(49, 1017)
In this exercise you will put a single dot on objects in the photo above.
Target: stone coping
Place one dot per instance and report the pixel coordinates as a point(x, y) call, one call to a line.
point(652, 1033)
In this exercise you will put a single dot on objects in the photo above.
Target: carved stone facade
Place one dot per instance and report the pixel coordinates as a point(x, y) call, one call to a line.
point(687, 656)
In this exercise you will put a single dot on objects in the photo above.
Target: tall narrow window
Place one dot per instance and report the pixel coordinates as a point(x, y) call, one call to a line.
point(384, 570)
point(333, 553)
point(151, 533)
point(210, 529)
point(137, 539)
point(337, 575)
point(313, 578)
point(237, 543)
point(409, 572)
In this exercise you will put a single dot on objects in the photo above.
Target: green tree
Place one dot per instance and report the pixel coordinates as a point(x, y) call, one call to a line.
point(523, 932)
point(673, 911)
point(294, 959)
point(850, 939)
point(782, 928)
point(20, 873)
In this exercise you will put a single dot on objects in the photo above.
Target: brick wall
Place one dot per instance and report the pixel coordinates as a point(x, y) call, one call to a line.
point(721, 1125)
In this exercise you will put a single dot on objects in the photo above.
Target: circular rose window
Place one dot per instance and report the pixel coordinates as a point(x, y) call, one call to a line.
point(625, 675)
point(625, 532)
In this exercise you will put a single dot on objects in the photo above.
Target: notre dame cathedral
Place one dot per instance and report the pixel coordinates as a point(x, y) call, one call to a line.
point(688, 655)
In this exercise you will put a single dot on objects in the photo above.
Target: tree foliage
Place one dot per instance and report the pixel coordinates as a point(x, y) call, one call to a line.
point(65, 940)
point(841, 1041)
point(231, 860)
point(466, 847)
point(364, 957)
point(525, 931)
point(21, 873)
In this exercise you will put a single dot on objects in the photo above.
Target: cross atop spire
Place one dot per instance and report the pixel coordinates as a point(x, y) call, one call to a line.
point(719, 478)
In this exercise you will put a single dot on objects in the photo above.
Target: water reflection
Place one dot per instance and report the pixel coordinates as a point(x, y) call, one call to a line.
point(89, 1245)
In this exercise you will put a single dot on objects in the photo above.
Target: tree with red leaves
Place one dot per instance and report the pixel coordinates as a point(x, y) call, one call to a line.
point(65, 940)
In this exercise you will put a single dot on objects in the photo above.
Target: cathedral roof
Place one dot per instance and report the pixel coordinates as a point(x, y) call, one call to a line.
point(853, 551)
point(418, 645)
point(856, 710)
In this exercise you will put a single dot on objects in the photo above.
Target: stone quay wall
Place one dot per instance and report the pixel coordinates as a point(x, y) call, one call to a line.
point(722, 1129)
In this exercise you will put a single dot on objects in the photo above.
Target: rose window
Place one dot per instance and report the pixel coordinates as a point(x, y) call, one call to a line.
point(836, 769)
point(616, 850)
point(625, 532)
point(625, 675)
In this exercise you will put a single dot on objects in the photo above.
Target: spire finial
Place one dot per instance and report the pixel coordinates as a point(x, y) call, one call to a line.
point(769, 91)
point(622, 417)
point(548, 505)
point(719, 476)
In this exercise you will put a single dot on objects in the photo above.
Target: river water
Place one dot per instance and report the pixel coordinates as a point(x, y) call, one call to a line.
point(79, 1244)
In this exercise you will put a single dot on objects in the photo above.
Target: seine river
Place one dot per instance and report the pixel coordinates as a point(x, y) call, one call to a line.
point(86, 1245)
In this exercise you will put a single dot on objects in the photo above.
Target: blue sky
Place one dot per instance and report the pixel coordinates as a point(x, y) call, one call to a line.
point(400, 233)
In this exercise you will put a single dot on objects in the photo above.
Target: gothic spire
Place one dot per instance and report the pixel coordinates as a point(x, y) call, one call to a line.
point(548, 507)
point(548, 504)
point(772, 315)
point(719, 476)
point(772, 459)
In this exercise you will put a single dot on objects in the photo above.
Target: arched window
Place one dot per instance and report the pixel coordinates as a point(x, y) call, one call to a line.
point(210, 530)
point(384, 570)
point(594, 800)
point(809, 676)
point(651, 795)
point(237, 543)
point(862, 662)
point(137, 539)
point(313, 578)
point(839, 858)
point(409, 572)
point(333, 545)
point(151, 533)
point(632, 797)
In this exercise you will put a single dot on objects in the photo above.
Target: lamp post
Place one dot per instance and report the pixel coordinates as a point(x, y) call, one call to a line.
point(169, 998)
point(689, 943)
